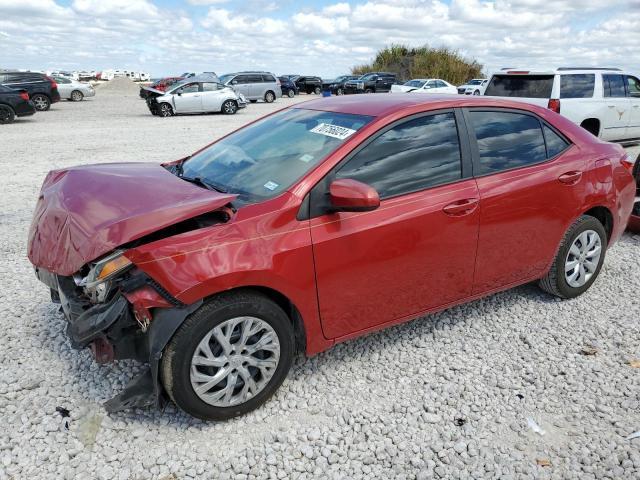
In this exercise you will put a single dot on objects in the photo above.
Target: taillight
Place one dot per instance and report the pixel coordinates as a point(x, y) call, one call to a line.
point(53, 82)
point(24, 96)
point(554, 104)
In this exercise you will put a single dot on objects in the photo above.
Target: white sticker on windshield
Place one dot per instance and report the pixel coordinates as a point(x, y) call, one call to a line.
point(306, 158)
point(334, 131)
point(271, 185)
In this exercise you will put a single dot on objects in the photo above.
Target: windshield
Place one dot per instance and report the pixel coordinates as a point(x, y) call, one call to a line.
point(225, 78)
point(266, 158)
point(415, 83)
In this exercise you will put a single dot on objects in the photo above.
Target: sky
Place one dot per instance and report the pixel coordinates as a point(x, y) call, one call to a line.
point(311, 37)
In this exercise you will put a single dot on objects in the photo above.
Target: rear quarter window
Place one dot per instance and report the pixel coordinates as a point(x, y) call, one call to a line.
point(555, 143)
point(577, 85)
point(527, 86)
point(268, 79)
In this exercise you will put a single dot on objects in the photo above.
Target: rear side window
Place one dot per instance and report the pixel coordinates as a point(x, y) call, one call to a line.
point(268, 79)
point(528, 86)
point(255, 79)
point(577, 85)
point(555, 143)
point(507, 140)
point(210, 87)
point(633, 86)
point(613, 86)
point(415, 155)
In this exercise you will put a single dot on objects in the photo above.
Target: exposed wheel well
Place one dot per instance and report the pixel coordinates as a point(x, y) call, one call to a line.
point(591, 125)
point(604, 216)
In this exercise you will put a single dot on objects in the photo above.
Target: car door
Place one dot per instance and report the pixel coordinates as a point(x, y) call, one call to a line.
point(618, 107)
point(430, 87)
point(241, 85)
point(256, 87)
point(188, 98)
point(64, 87)
point(212, 97)
point(633, 92)
point(416, 251)
point(531, 186)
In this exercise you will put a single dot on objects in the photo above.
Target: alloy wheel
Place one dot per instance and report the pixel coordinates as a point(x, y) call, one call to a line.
point(41, 102)
point(583, 258)
point(165, 110)
point(76, 96)
point(234, 361)
point(229, 107)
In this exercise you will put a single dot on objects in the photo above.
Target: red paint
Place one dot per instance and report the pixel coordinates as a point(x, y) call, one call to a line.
point(347, 273)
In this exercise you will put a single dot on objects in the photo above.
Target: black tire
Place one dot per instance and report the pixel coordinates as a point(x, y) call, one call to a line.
point(41, 102)
point(176, 361)
point(269, 97)
point(339, 91)
point(555, 282)
point(477, 92)
point(291, 94)
point(77, 96)
point(368, 90)
point(7, 115)
point(229, 107)
point(165, 110)
point(317, 90)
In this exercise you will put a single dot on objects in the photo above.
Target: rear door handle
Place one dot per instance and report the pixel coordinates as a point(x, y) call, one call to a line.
point(570, 178)
point(461, 207)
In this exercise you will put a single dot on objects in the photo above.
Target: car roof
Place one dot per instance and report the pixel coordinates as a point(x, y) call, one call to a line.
point(380, 105)
point(561, 70)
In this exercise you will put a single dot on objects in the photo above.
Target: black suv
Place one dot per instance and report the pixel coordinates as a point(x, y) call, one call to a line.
point(371, 83)
point(308, 84)
point(42, 90)
point(14, 104)
point(336, 86)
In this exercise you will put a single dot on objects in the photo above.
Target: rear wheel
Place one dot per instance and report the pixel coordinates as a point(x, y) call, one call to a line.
point(77, 96)
point(269, 97)
point(317, 90)
point(291, 94)
point(229, 107)
point(579, 259)
point(368, 90)
point(339, 91)
point(229, 356)
point(165, 110)
point(41, 102)
point(7, 115)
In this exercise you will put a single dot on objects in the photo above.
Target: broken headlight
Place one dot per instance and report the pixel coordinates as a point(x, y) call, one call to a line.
point(97, 283)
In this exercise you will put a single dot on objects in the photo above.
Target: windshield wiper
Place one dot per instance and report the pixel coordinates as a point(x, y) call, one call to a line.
point(204, 183)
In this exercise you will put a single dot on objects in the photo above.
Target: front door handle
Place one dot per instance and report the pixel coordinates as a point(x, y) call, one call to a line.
point(570, 178)
point(461, 207)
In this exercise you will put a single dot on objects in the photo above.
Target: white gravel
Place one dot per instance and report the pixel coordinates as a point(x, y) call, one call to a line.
point(447, 396)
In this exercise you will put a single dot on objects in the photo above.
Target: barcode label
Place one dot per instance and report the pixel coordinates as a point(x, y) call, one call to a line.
point(334, 131)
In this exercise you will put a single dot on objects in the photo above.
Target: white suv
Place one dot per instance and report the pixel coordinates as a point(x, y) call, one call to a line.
point(605, 101)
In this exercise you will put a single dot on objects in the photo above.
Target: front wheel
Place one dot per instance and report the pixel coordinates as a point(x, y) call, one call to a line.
point(229, 107)
point(166, 110)
point(7, 115)
point(579, 259)
point(317, 90)
point(229, 356)
point(477, 92)
point(339, 91)
point(77, 96)
point(41, 102)
point(269, 97)
point(291, 94)
point(368, 90)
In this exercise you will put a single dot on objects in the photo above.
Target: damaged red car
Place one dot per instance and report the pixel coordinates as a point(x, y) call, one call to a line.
point(314, 225)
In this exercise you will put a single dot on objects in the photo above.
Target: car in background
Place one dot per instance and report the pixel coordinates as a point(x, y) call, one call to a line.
point(474, 86)
point(258, 244)
point(425, 85)
point(288, 87)
point(194, 97)
point(336, 85)
point(42, 89)
point(14, 103)
point(161, 85)
point(371, 83)
point(254, 86)
point(308, 84)
point(73, 90)
point(604, 101)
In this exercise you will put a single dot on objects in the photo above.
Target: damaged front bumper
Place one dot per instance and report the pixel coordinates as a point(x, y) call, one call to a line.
point(117, 330)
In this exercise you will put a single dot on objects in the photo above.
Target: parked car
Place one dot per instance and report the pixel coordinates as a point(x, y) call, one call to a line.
point(194, 97)
point(73, 90)
point(371, 83)
point(254, 85)
point(289, 88)
point(474, 86)
point(604, 101)
point(260, 242)
point(42, 90)
point(336, 86)
point(14, 103)
point(424, 85)
point(308, 84)
point(160, 85)
point(634, 220)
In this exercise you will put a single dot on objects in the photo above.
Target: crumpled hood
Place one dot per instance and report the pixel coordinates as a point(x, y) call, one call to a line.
point(85, 212)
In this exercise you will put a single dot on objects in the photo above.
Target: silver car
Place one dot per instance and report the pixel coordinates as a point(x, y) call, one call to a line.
point(194, 97)
point(73, 90)
point(254, 85)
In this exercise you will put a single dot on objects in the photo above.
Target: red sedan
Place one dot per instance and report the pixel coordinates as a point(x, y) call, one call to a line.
point(317, 224)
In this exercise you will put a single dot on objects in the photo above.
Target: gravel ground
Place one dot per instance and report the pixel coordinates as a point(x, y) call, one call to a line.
point(447, 396)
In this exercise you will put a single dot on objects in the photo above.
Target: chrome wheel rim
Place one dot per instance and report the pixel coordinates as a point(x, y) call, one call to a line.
point(77, 96)
point(583, 258)
point(229, 107)
point(165, 110)
point(270, 97)
point(234, 361)
point(40, 102)
point(339, 91)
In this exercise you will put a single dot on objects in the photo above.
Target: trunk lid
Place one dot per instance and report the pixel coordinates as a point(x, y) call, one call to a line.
point(85, 212)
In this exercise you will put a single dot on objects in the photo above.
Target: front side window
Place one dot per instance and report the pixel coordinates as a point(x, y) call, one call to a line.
point(191, 88)
point(507, 140)
point(614, 86)
point(633, 86)
point(266, 158)
point(577, 85)
point(412, 156)
point(414, 83)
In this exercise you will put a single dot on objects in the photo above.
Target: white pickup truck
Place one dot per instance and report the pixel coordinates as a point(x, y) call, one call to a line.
point(605, 101)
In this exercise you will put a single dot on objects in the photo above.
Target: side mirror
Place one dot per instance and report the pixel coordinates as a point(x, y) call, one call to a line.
point(234, 82)
point(179, 93)
point(347, 195)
